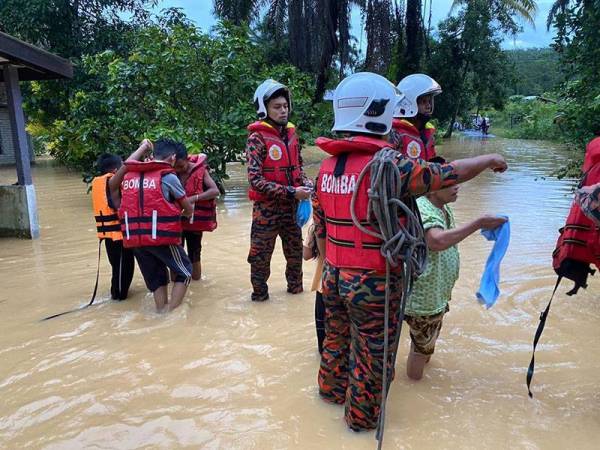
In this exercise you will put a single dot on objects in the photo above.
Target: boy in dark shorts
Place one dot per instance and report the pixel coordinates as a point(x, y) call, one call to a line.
point(201, 191)
point(151, 204)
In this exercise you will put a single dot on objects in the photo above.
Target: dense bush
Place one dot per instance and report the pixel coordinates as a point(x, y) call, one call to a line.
point(527, 119)
point(175, 82)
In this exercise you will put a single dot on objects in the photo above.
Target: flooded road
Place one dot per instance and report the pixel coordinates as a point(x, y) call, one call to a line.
point(222, 372)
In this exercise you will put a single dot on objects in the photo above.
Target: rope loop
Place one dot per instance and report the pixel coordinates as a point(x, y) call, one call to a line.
point(394, 219)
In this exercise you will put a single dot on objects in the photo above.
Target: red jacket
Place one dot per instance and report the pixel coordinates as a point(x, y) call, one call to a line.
point(147, 218)
point(205, 211)
point(578, 245)
point(410, 142)
point(346, 245)
point(282, 164)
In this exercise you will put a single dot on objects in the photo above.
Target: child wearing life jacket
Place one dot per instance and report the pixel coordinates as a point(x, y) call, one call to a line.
point(105, 201)
point(151, 208)
point(202, 192)
point(310, 251)
point(428, 303)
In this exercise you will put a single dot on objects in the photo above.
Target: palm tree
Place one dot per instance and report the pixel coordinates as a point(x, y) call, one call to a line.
point(317, 30)
point(559, 6)
point(237, 11)
point(525, 9)
point(414, 36)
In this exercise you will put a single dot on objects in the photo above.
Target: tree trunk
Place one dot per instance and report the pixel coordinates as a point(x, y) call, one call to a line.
point(329, 24)
point(448, 133)
point(414, 37)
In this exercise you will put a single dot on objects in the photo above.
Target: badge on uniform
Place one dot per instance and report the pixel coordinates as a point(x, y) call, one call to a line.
point(275, 152)
point(413, 149)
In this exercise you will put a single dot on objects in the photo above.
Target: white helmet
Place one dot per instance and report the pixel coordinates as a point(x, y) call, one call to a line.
point(413, 86)
point(264, 92)
point(364, 102)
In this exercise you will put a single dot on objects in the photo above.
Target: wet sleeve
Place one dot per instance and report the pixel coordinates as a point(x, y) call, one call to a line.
point(318, 217)
point(256, 153)
point(420, 177)
point(172, 188)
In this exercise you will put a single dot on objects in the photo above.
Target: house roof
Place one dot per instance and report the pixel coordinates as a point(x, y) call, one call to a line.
point(33, 63)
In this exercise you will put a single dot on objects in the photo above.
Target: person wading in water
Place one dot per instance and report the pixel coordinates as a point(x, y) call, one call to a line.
point(277, 183)
point(360, 287)
point(202, 191)
point(150, 212)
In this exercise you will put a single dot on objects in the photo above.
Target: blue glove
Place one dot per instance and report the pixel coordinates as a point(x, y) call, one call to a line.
point(303, 212)
point(490, 280)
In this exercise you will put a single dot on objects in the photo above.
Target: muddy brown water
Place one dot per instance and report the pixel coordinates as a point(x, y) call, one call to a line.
point(223, 372)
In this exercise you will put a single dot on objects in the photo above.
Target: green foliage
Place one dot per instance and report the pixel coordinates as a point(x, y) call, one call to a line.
point(527, 119)
point(468, 63)
point(537, 70)
point(578, 44)
point(71, 29)
point(175, 82)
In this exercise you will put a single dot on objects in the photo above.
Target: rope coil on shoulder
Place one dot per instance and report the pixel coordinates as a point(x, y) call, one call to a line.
point(403, 244)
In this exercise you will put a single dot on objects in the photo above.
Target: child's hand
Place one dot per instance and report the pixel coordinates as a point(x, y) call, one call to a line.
point(488, 222)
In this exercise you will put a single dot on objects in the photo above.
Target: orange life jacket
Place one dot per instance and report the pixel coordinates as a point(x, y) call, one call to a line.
point(108, 225)
point(346, 245)
point(205, 211)
point(411, 143)
point(282, 164)
point(147, 218)
point(578, 245)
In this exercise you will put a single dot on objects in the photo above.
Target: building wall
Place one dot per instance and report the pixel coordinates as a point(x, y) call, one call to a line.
point(7, 148)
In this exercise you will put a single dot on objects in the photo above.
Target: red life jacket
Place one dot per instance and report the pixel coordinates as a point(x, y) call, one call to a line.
point(205, 211)
point(578, 245)
point(147, 218)
point(346, 245)
point(412, 144)
point(282, 164)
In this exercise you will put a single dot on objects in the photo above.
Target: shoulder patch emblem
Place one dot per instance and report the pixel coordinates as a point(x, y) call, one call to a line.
point(413, 149)
point(275, 152)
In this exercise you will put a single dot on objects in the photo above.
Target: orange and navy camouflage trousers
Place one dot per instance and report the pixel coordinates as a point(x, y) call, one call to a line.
point(271, 219)
point(351, 371)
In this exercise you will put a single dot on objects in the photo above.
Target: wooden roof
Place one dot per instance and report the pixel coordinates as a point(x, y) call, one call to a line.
point(33, 63)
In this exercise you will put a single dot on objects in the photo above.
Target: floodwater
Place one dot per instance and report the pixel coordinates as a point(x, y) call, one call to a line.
point(223, 372)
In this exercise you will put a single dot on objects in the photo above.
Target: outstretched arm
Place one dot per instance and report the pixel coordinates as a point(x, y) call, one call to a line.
point(439, 239)
point(422, 177)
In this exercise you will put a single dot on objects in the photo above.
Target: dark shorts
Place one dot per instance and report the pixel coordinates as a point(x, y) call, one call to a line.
point(194, 244)
point(155, 263)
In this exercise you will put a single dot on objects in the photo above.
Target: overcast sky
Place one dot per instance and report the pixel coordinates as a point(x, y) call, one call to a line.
point(200, 11)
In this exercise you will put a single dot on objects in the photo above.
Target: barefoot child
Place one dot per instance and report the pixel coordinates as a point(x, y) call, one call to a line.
point(432, 291)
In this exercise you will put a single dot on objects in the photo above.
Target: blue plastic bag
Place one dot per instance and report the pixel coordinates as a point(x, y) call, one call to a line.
point(489, 289)
point(303, 212)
